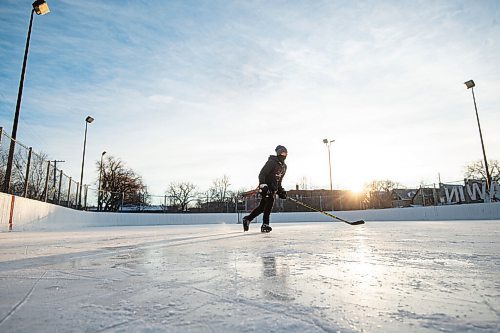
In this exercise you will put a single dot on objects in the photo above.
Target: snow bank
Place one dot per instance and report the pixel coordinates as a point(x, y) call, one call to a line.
point(30, 214)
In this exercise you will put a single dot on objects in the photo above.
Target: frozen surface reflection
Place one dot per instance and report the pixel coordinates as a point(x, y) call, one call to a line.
point(323, 277)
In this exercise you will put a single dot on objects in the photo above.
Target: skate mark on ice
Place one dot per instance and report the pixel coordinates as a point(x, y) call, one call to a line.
point(117, 325)
point(109, 251)
point(86, 277)
point(21, 302)
point(495, 311)
point(314, 321)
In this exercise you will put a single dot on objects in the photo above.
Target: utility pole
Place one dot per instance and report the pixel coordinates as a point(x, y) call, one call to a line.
point(55, 169)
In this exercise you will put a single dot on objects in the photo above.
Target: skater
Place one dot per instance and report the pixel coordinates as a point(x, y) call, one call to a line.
point(270, 178)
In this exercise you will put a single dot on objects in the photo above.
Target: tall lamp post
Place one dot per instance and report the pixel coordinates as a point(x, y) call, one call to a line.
point(470, 85)
point(328, 143)
point(40, 7)
point(88, 120)
point(99, 204)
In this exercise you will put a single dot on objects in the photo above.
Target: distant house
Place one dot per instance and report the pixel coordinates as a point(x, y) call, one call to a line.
point(403, 197)
point(425, 196)
point(325, 200)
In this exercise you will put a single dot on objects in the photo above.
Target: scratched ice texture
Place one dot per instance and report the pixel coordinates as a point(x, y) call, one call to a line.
point(316, 277)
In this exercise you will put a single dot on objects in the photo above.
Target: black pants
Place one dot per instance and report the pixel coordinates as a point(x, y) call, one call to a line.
point(266, 205)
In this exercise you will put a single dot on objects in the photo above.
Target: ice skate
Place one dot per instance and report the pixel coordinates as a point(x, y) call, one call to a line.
point(265, 228)
point(246, 223)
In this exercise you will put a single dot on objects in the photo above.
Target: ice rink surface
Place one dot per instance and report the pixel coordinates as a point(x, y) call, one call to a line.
point(316, 277)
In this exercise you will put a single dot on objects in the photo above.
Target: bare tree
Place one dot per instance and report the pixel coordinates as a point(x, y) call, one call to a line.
point(119, 184)
point(181, 194)
point(378, 193)
point(235, 197)
point(37, 174)
point(218, 192)
point(477, 171)
point(3, 162)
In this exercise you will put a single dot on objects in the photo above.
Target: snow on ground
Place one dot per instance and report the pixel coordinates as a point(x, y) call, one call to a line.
point(321, 277)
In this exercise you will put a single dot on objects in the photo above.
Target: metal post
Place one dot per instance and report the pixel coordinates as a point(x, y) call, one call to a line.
point(55, 176)
point(330, 168)
point(99, 199)
point(488, 177)
point(85, 198)
point(328, 144)
point(47, 182)
point(8, 170)
point(83, 163)
point(59, 190)
point(423, 196)
point(77, 196)
point(28, 166)
point(434, 194)
point(69, 190)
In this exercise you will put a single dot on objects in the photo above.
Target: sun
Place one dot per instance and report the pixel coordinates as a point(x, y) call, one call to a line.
point(355, 187)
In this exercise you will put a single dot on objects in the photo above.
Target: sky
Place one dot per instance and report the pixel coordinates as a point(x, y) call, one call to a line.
point(190, 91)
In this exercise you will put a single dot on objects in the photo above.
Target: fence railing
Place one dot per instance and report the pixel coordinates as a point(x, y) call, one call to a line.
point(34, 176)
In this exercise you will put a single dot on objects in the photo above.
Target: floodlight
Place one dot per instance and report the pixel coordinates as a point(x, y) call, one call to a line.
point(470, 84)
point(41, 7)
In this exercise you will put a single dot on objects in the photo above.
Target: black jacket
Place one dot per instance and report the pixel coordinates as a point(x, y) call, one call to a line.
point(272, 173)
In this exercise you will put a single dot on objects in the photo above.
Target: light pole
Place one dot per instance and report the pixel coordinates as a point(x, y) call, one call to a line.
point(470, 85)
point(40, 7)
point(328, 143)
point(88, 120)
point(99, 204)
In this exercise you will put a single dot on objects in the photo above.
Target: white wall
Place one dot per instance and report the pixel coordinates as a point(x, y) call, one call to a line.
point(30, 214)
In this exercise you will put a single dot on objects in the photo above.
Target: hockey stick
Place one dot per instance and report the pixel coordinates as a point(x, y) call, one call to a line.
point(327, 214)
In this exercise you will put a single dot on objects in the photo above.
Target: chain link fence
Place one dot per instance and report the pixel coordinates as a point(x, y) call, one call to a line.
point(35, 177)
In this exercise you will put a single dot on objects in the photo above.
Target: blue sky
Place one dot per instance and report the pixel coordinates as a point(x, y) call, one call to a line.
point(194, 90)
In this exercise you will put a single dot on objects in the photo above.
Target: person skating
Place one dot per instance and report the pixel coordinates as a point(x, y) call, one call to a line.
point(270, 178)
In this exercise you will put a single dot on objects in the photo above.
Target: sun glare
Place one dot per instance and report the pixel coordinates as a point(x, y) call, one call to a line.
point(356, 186)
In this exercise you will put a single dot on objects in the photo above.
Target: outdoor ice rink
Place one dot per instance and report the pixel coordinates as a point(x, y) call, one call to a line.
point(315, 277)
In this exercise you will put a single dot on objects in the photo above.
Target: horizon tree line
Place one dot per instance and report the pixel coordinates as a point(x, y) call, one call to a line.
point(120, 186)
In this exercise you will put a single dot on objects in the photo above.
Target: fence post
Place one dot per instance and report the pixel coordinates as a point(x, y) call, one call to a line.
point(85, 197)
point(59, 190)
point(47, 182)
point(423, 196)
point(69, 189)
point(77, 195)
point(1, 136)
point(27, 180)
point(8, 170)
point(434, 194)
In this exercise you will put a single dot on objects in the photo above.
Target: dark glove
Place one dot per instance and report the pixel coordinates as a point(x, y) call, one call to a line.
point(282, 194)
point(263, 190)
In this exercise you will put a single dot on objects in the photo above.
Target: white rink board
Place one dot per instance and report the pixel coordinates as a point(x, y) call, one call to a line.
point(33, 215)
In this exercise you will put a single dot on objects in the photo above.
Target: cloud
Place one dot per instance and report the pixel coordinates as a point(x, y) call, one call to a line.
point(161, 99)
point(184, 91)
